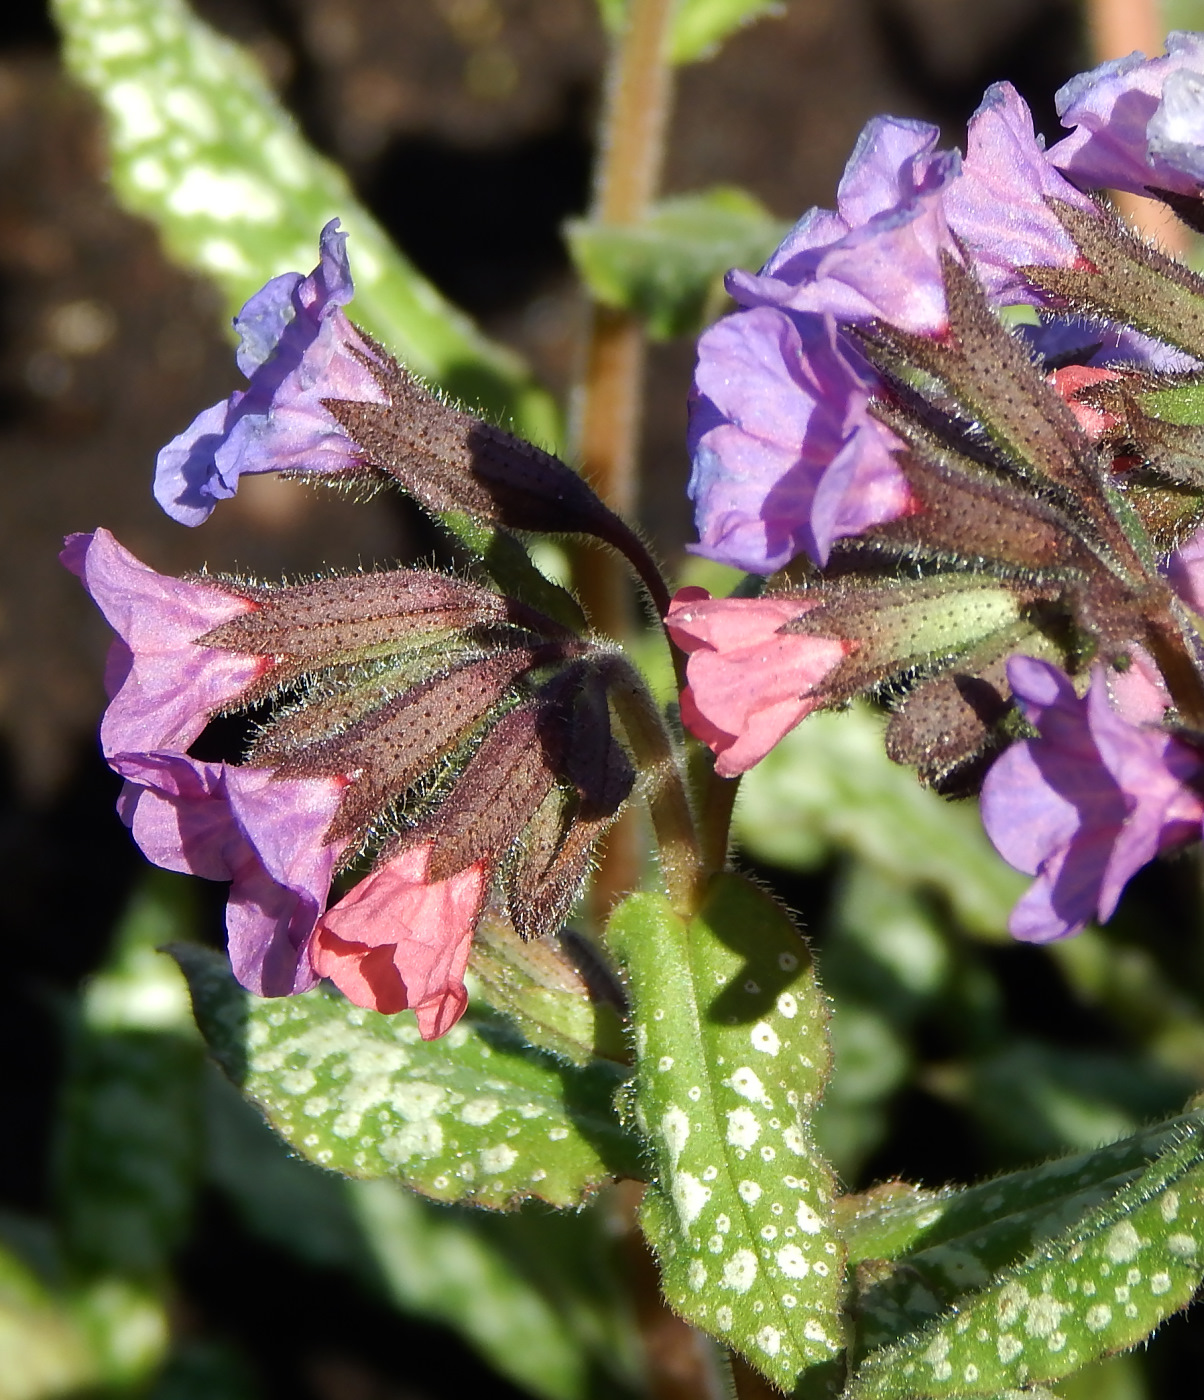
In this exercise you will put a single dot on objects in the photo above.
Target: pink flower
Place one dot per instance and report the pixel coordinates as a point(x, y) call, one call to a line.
point(1070, 382)
point(398, 940)
point(1087, 804)
point(749, 682)
point(163, 686)
point(267, 836)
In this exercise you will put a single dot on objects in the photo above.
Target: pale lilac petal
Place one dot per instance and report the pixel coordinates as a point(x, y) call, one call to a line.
point(1137, 122)
point(1185, 571)
point(894, 160)
point(297, 348)
point(1063, 338)
point(266, 837)
point(879, 255)
point(998, 207)
point(780, 403)
point(164, 686)
point(1087, 804)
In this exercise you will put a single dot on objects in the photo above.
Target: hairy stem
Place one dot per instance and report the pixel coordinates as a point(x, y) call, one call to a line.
point(664, 785)
point(608, 410)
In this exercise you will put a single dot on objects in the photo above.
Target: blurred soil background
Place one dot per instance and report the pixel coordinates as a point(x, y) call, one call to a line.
point(466, 127)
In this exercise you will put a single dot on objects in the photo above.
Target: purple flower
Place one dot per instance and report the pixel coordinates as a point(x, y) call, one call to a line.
point(1066, 338)
point(878, 254)
point(264, 835)
point(997, 207)
point(297, 348)
point(1185, 571)
point(1087, 804)
point(786, 456)
point(1138, 122)
point(163, 686)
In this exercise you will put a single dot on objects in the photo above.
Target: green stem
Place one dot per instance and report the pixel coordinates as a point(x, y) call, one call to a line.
point(664, 782)
point(716, 801)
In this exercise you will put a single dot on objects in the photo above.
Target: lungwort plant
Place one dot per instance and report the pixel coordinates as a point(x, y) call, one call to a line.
point(951, 435)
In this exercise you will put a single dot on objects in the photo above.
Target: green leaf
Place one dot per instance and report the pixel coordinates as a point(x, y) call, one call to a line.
point(1033, 1099)
point(669, 268)
point(700, 26)
point(201, 146)
point(43, 1350)
point(276, 1195)
point(1006, 1213)
point(534, 1293)
point(828, 786)
point(541, 987)
point(129, 1124)
point(954, 1240)
point(477, 1116)
point(1099, 1287)
point(730, 1029)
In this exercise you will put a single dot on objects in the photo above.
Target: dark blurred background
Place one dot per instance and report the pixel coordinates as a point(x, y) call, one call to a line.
point(466, 126)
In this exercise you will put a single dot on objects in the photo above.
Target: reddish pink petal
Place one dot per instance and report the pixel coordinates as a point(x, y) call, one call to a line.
point(1070, 383)
point(750, 683)
point(397, 941)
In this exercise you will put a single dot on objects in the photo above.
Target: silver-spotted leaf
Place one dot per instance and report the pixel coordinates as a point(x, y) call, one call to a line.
point(1101, 1286)
point(201, 146)
point(477, 1116)
point(954, 1240)
point(733, 1056)
point(533, 1291)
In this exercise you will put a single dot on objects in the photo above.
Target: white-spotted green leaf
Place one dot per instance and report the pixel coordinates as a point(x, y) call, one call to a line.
point(476, 1116)
point(733, 1055)
point(1101, 1286)
point(201, 146)
point(532, 1291)
point(828, 785)
point(699, 26)
point(953, 1240)
point(669, 268)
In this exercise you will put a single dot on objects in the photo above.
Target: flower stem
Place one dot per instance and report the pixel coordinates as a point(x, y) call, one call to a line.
point(664, 785)
point(639, 93)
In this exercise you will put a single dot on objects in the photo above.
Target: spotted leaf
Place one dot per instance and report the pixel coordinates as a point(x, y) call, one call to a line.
point(1098, 1287)
point(200, 145)
point(733, 1056)
point(477, 1116)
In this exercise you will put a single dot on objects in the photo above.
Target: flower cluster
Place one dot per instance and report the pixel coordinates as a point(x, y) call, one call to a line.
point(966, 396)
point(448, 744)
